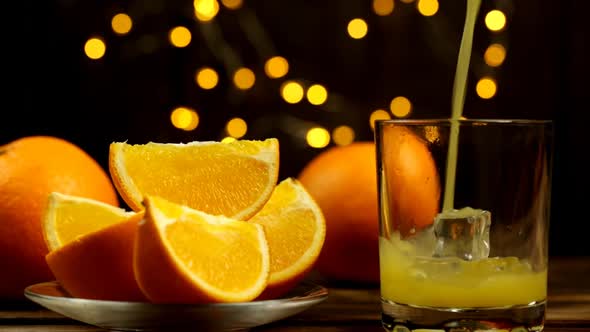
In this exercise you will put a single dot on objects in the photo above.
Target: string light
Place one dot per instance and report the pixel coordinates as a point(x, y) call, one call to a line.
point(343, 135)
point(317, 137)
point(180, 36)
point(427, 7)
point(494, 55)
point(383, 7)
point(121, 24)
point(276, 67)
point(236, 127)
point(378, 115)
point(317, 94)
point(486, 88)
point(232, 4)
point(206, 10)
point(207, 78)
point(184, 118)
point(292, 92)
point(357, 28)
point(244, 78)
point(95, 48)
point(495, 20)
point(400, 106)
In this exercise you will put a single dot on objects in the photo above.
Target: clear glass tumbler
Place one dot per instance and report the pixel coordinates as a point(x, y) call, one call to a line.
point(464, 218)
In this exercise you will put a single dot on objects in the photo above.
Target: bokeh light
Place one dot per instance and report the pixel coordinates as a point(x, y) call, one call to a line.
point(343, 135)
point(427, 7)
point(95, 48)
point(494, 55)
point(207, 78)
point(292, 92)
point(228, 139)
point(232, 4)
point(244, 78)
point(206, 10)
point(317, 137)
point(184, 118)
point(495, 20)
point(400, 106)
point(121, 24)
point(236, 127)
point(357, 28)
point(317, 94)
point(383, 7)
point(180, 36)
point(486, 88)
point(378, 115)
point(276, 67)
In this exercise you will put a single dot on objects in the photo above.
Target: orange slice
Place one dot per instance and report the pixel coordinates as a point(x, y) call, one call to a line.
point(231, 179)
point(187, 256)
point(91, 248)
point(295, 230)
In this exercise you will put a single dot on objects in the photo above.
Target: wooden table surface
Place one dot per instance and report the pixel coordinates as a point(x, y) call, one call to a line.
point(357, 308)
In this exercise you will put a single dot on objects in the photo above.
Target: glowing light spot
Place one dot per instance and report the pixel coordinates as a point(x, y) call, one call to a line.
point(343, 135)
point(121, 24)
point(378, 115)
point(292, 92)
point(494, 55)
point(180, 36)
point(495, 20)
point(383, 7)
point(317, 137)
point(276, 67)
point(317, 94)
point(206, 10)
point(95, 48)
point(207, 78)
point(228, 139)
point(357, 28)
point(232, 4)
point(400, 106)
point(184, 118)
point(236, 128)
point(244, 78)
point(427, 7)
point(486, 88)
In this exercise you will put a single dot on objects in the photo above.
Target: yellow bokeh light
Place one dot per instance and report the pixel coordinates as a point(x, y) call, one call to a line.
point(383, 7)
point(184, 118)
point(206, 10)
point(357, 28)
point(121, 24)
point(95, 48)
point(244, 78)
point(427, 7)
point(317, 137)
point(343, 135)
point(317, 94)
point(180, 36)
point(495, 20)
point(378, 115)
point(400, 106)
point(486, 88)
point(276, 67)
point(292, 92)
point(232, 4)
point(236, 127)
point(228, 139)
point(207, 78)
point(494, 55)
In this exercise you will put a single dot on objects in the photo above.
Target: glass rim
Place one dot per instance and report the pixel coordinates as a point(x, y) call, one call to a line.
point(473, 121)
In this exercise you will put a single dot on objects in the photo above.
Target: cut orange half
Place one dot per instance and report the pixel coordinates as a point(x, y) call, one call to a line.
point(187, 256)
point(295, 230)
point(231, 179)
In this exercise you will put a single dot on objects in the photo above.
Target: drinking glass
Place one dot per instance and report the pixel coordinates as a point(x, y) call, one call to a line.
point(464, 218)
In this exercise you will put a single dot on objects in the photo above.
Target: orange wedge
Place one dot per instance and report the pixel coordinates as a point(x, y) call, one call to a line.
point(231, 179)
point(187, 256)
point(295, 230)
point(91, 248)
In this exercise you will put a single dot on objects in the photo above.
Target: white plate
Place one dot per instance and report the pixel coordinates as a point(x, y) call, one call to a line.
point(142, 316)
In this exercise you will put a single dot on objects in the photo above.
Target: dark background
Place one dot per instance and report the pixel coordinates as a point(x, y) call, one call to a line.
point(54, 89)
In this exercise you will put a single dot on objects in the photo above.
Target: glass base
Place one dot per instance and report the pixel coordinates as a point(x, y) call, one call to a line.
point(406, 318)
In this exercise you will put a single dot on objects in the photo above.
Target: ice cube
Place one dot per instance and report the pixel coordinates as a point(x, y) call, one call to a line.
point(463, 233)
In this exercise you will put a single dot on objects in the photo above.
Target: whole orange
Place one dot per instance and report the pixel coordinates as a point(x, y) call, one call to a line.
point(30, 168)
point(343, 181)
